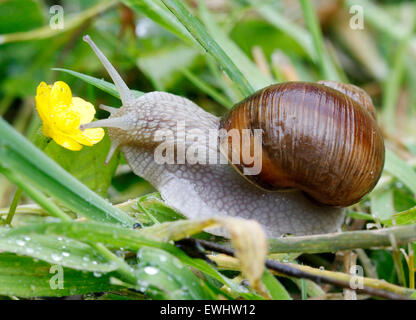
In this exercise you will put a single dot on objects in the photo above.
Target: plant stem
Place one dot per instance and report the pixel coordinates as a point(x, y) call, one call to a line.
point(122, 267)
point(367, 264)
point(343, 241)
point(327, 69)
point(139, 204)
point(36, 195)
point(397, 259)
point(13, 206)
point(207, 89)
point(411, 265)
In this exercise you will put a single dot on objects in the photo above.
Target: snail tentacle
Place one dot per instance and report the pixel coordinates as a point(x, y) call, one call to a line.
point(123, 123)
point(127, 98)
point(109, 109)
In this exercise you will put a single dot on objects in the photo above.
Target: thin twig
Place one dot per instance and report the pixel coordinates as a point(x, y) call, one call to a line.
point(291, 270)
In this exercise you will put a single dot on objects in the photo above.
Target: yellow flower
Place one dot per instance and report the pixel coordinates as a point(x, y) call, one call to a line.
point(62, 114)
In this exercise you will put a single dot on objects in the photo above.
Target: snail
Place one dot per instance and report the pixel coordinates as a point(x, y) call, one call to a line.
point(321, 151)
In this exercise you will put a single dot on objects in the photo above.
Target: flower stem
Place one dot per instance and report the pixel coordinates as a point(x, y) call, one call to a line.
point(13, 206)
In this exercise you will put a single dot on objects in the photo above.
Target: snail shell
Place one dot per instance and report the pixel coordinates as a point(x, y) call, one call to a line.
point(319, 139)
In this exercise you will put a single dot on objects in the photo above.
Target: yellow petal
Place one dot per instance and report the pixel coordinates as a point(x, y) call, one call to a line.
point(85, 109)
point(89, 137)
point(43, 92)
point(61, 95)
point(94, 135)
point(65, 141)
point(66, 121)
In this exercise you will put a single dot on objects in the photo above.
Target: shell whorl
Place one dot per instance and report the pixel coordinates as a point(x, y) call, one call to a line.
point(316, 138)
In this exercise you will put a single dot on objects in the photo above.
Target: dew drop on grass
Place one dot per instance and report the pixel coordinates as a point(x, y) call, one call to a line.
point(151, 270)
point(20, 243)
point(65, 254)
point(56, 257)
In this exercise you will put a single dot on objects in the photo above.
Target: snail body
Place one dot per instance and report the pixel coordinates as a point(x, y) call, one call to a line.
point(203, 190)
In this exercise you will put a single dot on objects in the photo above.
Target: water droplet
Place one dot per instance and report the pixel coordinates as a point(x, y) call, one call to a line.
point(65, 254)
point(151, 270)
point(20, 243)
point(56, 257)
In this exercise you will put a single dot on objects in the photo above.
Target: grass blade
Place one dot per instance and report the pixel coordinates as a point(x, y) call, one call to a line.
point(327, 68)
point(250, 71)
point(197, 30)
point(25, 277)
point(290, 28)
point(401, 170)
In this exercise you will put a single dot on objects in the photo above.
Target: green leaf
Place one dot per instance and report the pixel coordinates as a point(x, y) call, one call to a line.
point(98, 83)
point(163, 276)
point(158, 209)
point(276, 289)
point(360, 215)
point(128, 239)
point(383, 261)
point(401, 170)
point(382, 204)
point(23, 163)
point(87, 165)
point(20, 16)
point(404, 217)
point(56, 250)
point(25, 277)
point(156, 11)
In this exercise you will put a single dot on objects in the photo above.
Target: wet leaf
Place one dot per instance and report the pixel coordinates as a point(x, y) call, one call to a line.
point(25, 277)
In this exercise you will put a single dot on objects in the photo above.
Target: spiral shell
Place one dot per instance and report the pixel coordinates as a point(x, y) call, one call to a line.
point(320, 138)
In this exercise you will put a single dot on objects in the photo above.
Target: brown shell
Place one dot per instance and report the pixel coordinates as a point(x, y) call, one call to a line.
point(315, 138)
